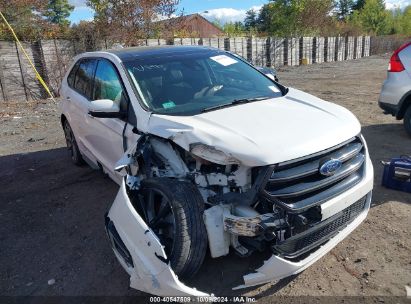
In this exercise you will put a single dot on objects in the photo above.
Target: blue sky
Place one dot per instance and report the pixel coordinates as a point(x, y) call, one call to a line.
point(221, 10)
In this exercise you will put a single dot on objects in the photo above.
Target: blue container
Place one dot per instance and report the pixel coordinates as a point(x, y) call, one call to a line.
point(397, 174)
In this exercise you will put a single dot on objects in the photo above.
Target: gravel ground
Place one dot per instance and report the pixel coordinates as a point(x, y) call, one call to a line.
point(53, 242)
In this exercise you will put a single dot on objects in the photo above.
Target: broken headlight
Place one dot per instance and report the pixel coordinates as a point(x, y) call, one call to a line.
point(213, 155)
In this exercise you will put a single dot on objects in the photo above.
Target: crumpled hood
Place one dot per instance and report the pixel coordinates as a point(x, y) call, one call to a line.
point(263, 132)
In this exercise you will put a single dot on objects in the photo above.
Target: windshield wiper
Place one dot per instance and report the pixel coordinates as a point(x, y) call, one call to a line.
point(235, 102)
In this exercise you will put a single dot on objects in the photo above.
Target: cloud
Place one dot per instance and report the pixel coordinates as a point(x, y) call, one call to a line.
point(224, 15)
point(393, 4)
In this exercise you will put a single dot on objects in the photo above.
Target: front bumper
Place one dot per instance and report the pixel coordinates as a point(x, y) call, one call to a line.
point(276, 267)
point(389, 108)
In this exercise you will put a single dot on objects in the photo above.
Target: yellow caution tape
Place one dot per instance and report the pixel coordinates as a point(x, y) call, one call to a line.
point(40, 79)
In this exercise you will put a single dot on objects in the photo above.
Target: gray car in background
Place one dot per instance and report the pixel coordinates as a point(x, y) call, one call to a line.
point(395, 97)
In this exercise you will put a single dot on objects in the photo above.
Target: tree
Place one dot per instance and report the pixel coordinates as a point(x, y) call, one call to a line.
point(373, 17)
point(233, 29)
point(25, 16)
point(129, 20)
point(57, 12)
point(358, 5)
point(406, 21)
point(295, 17)
point(400, 21)
point(344, 8)
point(250, 21)
point(278, 17)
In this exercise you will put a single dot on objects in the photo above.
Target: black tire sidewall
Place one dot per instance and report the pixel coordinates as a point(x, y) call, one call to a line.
point(190, 239)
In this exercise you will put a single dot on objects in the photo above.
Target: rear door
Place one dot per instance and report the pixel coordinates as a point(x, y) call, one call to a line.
point(78, 98)
point(105, 135)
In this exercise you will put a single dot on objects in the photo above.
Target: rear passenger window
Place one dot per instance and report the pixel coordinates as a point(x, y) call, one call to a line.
point(72, 75)
point(84, 77)
point(107, 85)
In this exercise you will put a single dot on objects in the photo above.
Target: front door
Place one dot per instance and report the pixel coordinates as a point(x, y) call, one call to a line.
point(105, 135)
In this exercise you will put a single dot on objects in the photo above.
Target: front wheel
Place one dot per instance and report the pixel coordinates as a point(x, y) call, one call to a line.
point(174, 211)
point(407, 120)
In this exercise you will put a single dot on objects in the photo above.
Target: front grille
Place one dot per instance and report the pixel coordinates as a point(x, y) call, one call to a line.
point(319, 233)
point(298, 185)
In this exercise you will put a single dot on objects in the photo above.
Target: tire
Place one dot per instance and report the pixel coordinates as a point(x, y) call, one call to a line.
point(186, 242)
point(72, 146)
point(407, 120)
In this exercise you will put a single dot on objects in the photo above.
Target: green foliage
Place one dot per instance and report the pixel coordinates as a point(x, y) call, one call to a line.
point(25, 16)
point(344, 8)
point(400, 21)
point(406, 21)
point(358, 5)
point(57, 12)
point(329, 17)
point(373, 18)
point(250, 21)
point(233, 29)
point(295, 17)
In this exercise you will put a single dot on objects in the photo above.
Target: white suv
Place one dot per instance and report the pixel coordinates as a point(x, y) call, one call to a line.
point(212, 154)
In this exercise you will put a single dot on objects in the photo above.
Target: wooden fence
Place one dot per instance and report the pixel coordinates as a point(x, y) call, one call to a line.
point(52, 57)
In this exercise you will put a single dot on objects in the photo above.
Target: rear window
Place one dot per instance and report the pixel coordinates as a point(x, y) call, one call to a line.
point(84, 77)
point(72, 75)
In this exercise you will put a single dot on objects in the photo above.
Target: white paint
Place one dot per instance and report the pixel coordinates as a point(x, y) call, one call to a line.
point(273, 88)
point(264, 132)
point(104, 105)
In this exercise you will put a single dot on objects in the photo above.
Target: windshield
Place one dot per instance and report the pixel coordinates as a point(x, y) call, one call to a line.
point(189, 84)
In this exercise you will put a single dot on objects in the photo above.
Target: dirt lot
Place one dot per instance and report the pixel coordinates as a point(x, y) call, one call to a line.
point(52, 212)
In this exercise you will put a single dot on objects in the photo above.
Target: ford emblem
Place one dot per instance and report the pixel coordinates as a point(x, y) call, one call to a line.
point(329, 167)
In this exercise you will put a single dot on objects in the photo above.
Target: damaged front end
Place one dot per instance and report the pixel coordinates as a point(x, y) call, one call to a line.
point(289, 209)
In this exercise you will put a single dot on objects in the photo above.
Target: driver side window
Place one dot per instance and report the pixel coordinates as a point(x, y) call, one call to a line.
point(107, 84)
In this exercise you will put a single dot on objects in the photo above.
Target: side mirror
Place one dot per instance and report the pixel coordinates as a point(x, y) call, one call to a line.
point(269, 72)
point(105, 108)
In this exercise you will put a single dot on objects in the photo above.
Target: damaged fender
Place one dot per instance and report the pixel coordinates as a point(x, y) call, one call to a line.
point(151, 272)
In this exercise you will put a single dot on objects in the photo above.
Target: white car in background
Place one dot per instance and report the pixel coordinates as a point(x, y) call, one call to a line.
point(212, 154)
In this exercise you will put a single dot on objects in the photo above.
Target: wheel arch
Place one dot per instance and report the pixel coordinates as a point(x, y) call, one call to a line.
point(404, 104)
point(63, 119)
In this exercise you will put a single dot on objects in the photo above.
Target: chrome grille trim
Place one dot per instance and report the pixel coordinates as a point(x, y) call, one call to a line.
point(298, 185)
point(319, 198)
point(305, 187)
point(346, 153)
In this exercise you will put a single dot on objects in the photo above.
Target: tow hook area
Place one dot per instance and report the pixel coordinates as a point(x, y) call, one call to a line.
point(238, 221)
